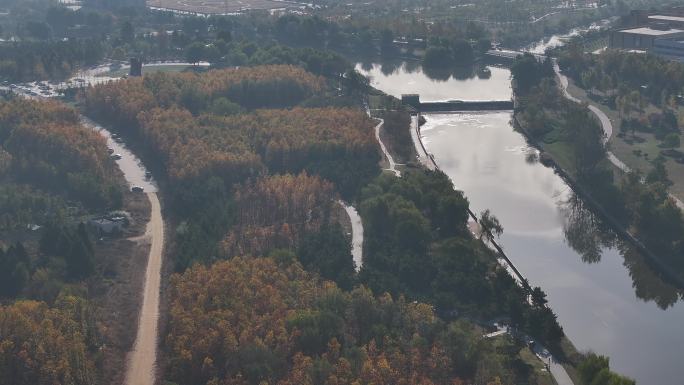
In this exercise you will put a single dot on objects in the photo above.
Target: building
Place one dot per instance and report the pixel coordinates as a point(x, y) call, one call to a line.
point(672, 21)
point(658, 32)
point(643, 38)
point(672, 49)
point(136, 67)
point(106, 226)
point(412, 100)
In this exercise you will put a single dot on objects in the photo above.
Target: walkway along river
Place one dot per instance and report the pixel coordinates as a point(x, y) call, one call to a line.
point(605, 295)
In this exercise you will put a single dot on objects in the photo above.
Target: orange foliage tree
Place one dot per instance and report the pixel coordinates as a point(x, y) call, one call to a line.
point(250, 321)
point(40, 345)
point(275, 212)
point(45, 144)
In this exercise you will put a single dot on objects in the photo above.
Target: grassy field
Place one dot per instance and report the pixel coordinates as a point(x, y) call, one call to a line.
point(637, 152)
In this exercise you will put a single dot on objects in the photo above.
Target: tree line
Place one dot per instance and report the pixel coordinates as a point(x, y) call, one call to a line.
point(260, 320)
point(53, 172)
point(639, 201)
point(209, 132)
point(416, 243)
point(46, 146)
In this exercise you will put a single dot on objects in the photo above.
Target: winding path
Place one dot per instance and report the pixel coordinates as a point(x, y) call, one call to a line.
point(606, 124)
point(390, 159)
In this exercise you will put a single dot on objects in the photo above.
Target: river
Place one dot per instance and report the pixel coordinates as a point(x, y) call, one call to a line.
point(606, 297)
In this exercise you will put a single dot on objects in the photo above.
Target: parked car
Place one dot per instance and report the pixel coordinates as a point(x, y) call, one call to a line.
point(116, 156)
point(137, 189)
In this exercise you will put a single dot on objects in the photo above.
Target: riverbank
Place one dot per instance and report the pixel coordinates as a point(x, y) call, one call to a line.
point(565, 369)
point(558, 156)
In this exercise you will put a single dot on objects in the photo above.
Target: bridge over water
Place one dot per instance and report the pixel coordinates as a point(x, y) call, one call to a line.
point(413, 100)
point(508, 56)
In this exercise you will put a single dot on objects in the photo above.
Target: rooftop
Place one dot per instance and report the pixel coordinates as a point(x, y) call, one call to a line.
point(652, 32)
point(667, 18)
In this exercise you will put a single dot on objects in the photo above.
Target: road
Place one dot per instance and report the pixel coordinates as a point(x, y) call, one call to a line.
point(557, 370)
point(606, 124)
point(142, 359)
point(141, 363)
point(388, 156)
point(357, 235)
point(423, 156)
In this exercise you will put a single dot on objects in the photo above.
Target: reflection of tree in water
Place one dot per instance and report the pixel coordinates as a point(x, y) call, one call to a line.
point(438, 74)
point(531, 156)
point(388, 67)
point(367, 65)
point(588, 236)
point(584, 232)
point(463, 72)
point(445, 73)
point(411, 66)
point(647, 283)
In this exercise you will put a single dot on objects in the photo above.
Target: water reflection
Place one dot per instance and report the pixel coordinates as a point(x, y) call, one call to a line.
point(397, 77)
point(648, 285)
point(583, 231)
point(606, 295)
point(589, 236)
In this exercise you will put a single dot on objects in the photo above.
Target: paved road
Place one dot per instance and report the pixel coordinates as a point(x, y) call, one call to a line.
point(141, 368)
point(557, 370)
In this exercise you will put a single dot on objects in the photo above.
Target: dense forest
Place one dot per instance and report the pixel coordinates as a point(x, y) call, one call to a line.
point(43, 144)
point(213, 130)
point(275, 212)
point(251, 321)
point(618, 74)
point(48, 345)
point(416, 243)
point(55, 173)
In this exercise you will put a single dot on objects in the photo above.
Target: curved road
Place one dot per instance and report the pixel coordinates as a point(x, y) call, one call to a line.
point(605, 123)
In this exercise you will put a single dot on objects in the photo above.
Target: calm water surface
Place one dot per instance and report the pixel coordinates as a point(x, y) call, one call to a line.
point(606, 297)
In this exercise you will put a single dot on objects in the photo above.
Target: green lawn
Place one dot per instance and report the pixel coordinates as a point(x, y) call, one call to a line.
point(624, 148)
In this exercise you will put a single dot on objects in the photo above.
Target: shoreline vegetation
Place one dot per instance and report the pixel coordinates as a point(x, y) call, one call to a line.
point(416, 245)
point(252, 156)
point(573, 143)
point(572, 358)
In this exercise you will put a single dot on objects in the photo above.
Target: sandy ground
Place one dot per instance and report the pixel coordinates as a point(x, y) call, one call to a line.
point(142, 359)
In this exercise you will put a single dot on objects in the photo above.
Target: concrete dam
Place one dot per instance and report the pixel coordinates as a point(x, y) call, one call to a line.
point(413, 100)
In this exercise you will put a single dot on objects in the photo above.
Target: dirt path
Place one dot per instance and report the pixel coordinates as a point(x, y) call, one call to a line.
point(141, 366)
point(357, 235)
